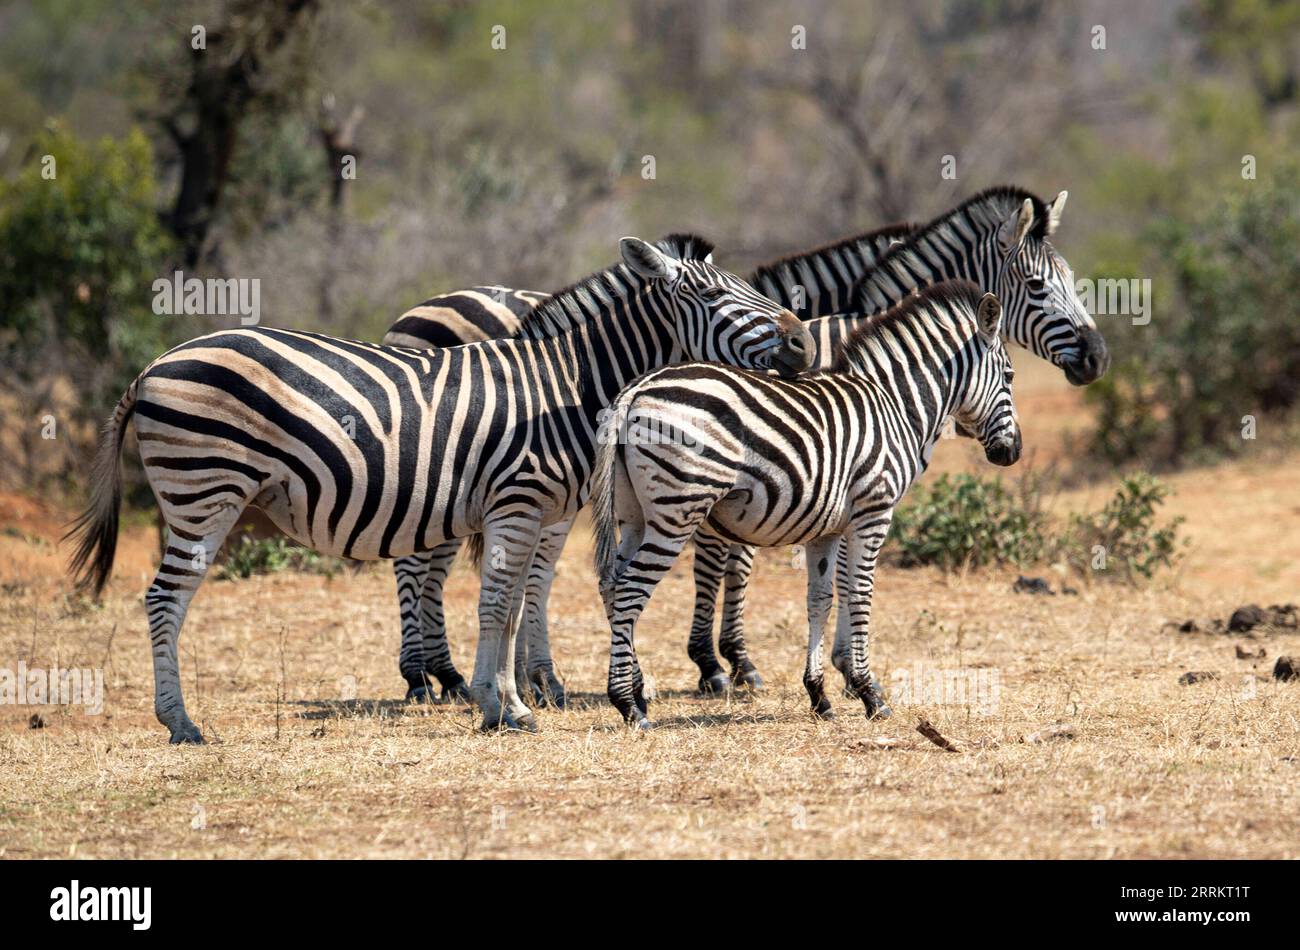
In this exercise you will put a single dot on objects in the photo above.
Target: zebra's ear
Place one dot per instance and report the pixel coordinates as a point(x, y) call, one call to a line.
point(1016, 226)
point(1054, 212)
point(989, 316)
point(646, 260)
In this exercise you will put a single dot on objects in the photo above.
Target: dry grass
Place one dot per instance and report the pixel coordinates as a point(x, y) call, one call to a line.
point(1154, 768)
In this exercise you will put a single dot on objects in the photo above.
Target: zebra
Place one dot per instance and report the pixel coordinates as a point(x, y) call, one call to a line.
point(452, 319)
point(820, 461)
point(998, 238)
point(813, 283)
point(374, 452)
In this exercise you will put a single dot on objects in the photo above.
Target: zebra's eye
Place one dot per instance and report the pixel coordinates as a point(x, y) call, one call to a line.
point(714, 294)
point(1008, 375)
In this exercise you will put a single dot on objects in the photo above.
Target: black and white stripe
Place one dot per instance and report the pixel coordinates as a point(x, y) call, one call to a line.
point(821, 461)
point(368, 451)
point(999, 239)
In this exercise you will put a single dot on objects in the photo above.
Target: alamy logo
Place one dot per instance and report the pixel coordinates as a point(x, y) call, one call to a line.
point(103, 903)
point(56, 687)
point(230, 296)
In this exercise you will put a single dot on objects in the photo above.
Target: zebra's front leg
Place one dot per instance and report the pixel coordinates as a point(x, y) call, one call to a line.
point(863, 542)
point(508, 545)
point(821, 591)
point(731, 639)
point(187, 556)
point(710, 563)
point(539, 667)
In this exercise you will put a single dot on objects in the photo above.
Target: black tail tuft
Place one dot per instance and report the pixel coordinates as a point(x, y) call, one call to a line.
point(96, 528)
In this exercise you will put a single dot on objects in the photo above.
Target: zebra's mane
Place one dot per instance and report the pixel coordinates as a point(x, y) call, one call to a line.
point(979, 214)
point(945, 296)
point(570, 308)
point(781, 271)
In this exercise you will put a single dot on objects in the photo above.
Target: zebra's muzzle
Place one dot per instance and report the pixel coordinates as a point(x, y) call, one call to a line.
point(1093, 361)
point(1004, 451)
point(797, 349)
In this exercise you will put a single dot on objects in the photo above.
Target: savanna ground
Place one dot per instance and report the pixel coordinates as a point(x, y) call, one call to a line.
point(1154, 768)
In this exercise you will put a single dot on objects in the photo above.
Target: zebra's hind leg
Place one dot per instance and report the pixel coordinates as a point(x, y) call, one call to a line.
point(863, 542)
point(508, 545)
point(410, 573)
point(640, 574)
point(539, 667)
point(187, 556)
point(433, 625)
point(710, 560)
point(731, 639)
point(821, 581)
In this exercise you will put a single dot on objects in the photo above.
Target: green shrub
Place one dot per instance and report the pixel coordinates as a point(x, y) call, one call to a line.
point(960, 521)
point(1224, 339)
point(1123, 538)
point(249, 556)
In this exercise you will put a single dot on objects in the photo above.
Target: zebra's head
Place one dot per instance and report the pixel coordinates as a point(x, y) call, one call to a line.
point(714, 314)
point(1043, 311)
point(986, 409)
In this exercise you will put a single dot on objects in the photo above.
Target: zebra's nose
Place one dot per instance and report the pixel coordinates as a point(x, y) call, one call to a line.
point(797, 349)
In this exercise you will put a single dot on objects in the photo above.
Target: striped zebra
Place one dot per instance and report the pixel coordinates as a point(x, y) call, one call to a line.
point(452, 319)
point(373, 452)
point(999, 239)
point(820, 461)
point(810, 284)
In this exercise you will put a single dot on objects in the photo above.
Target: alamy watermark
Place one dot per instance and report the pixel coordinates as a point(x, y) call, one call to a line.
point(213, 296)
point(1111, 296)
point(618, 426)
point(53, 687)
point(978, 688)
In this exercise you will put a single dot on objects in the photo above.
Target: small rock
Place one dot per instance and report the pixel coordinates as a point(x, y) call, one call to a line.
point(1246, 618)
point(1032, 585)
point(37, 721)
point(1198, 676)
point(1069, 591)
point(1244, 654)
point(1286, 668)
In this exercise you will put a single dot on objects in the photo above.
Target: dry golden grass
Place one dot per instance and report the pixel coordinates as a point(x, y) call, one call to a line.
point(1154, 768)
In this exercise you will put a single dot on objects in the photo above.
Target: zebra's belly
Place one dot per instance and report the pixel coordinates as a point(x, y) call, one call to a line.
point(749, 517)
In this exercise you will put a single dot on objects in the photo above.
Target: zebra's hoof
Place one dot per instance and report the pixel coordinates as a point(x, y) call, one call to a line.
point(421, 694)
point(505, 722)
point(715, 685)
point(187, 735)
point(643, 725)
point(549, 693)
point(457, 693)
point(748, 680)
point(823, 710)
point(881, 711)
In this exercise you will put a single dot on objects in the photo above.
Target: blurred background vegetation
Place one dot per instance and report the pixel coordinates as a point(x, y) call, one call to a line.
point(524, 165)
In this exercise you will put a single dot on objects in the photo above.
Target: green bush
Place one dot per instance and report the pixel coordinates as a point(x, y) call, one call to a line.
point(1224, 340)
point(1123, 537)
point(248, 556)
point(960, 521)
point(80, 246)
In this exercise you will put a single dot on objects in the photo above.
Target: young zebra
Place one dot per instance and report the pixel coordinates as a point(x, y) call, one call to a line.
point(773, 462)
point(999, 239)
point(369, 452)
point(810, 284)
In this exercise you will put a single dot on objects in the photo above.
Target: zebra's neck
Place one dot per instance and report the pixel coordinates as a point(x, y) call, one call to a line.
point(915, 360)
point(820, 281)
point(623, 338)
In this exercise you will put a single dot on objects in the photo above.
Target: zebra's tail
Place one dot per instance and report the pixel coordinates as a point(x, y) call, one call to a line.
point(474, 551)
point(604, 479)
point(96, 528)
